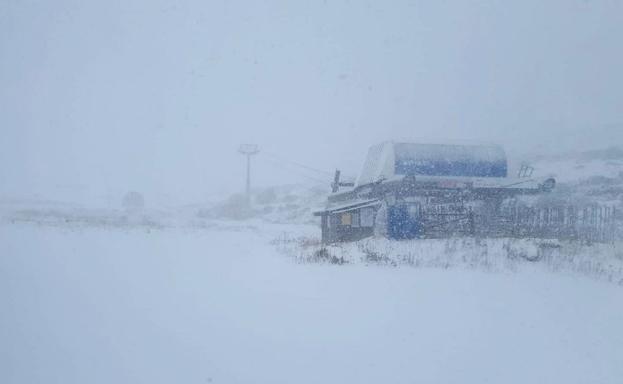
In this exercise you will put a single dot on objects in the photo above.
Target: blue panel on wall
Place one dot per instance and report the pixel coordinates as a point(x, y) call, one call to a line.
point(401, 225)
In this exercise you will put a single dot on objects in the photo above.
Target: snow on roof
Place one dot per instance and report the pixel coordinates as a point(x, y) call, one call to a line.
point(378, 164)
point(388, 159)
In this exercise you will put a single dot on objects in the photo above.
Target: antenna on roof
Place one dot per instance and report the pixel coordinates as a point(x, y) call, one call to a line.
point(335, 186)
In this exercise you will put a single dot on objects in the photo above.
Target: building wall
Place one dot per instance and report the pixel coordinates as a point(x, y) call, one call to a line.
point(348, 225)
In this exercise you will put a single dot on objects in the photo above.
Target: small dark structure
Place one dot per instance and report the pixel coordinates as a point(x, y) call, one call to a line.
point(408, 190)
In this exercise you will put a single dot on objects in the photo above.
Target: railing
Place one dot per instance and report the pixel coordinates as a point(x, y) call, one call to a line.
point(589, 224)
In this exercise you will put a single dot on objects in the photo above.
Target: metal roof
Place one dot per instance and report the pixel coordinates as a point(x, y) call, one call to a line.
point(347, 206)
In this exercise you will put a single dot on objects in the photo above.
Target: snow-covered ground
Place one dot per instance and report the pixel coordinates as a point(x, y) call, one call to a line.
point(218, 302)
point(584, 177)
point(211, 293)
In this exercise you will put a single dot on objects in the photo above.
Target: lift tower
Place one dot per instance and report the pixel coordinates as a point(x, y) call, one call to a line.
point(248, 150)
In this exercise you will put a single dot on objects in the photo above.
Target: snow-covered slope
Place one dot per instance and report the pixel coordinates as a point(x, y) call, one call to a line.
point(103, 305)
point(280, 204)
point(588, 176)
point(210, 293)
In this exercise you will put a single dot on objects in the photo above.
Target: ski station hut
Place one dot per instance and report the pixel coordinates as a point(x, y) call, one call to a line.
point(409, 190)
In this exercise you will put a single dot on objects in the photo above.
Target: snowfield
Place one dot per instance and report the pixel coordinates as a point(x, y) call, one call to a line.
point(222, 303)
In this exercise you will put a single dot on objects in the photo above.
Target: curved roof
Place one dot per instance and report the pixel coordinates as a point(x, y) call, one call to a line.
point(389, 159)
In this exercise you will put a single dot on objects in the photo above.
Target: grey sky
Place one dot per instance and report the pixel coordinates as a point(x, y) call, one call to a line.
point(107, 96)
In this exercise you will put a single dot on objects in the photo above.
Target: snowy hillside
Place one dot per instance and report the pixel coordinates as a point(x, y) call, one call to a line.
point(292, 204)
point(590, 175)
point(212, 293)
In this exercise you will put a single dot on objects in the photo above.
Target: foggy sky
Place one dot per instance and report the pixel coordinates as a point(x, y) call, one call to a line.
point(103, 97)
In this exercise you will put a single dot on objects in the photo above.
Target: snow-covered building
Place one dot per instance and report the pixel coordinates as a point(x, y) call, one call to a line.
point(402, 185)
